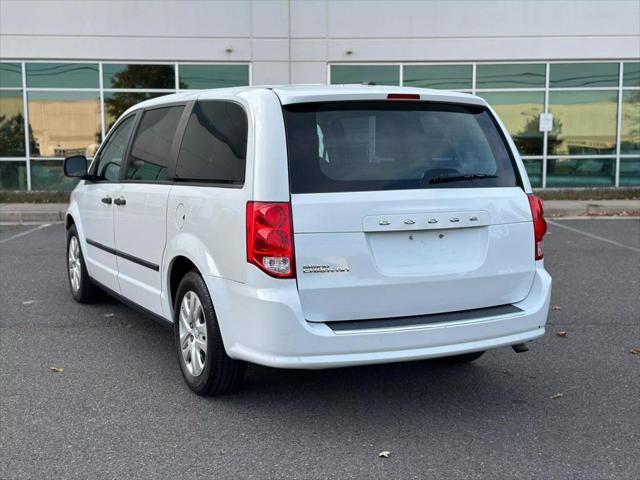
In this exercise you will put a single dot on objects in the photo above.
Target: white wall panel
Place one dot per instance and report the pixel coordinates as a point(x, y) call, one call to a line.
point(309, 18)
point(465, 49)
point(308, 72)
point(127, 18)
point(309, 33)
point(269, 18)
point(407, 19)
point(270, 73)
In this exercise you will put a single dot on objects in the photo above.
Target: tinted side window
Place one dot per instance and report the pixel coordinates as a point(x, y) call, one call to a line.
point(152, 144)
point(214, 147)
point(110, 158)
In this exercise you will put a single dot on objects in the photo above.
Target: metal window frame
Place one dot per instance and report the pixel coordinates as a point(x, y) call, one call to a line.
point(619, 89)
point(28, 159)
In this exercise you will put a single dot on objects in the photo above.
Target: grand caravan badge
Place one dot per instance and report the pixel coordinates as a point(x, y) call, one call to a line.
point(325, 269)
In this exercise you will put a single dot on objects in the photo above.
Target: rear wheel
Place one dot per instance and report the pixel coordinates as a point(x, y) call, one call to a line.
point(205, 365)
point(464, 358)
point(82, 289)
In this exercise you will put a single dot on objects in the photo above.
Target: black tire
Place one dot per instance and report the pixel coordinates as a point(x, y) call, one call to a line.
point(464, 358)
point(221, 374)
point(86, 292)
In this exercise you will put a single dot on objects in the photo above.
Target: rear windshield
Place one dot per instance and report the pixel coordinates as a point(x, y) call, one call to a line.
point(386, 145)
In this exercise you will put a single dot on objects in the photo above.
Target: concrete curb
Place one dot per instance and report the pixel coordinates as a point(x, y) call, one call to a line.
point(32, 212)
point(55, 212)
point(587, 208)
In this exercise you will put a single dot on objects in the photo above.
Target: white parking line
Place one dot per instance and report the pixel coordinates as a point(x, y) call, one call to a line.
point(595, 237)
point(26, 232)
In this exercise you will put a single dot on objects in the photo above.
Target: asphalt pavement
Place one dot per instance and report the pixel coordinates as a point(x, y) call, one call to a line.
point(567, 409)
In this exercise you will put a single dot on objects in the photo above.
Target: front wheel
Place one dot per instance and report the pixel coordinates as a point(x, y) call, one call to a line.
point(205, 365)
point(82, 289)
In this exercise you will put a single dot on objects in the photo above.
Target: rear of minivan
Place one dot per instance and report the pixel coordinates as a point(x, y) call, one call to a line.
point(409, 231)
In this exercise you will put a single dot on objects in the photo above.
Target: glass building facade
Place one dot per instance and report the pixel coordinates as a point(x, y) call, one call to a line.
point(50, 110)
point(595, 139)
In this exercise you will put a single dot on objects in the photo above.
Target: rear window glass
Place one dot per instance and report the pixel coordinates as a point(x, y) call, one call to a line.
point(152, 144)
point(363, 146)
point(214, 147)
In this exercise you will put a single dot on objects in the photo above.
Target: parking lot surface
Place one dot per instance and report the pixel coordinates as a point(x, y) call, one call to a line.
point(568, 408)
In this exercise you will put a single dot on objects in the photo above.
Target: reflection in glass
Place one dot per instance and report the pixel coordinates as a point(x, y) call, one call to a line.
point(116, 103)
point(583, 122)
point(64, 123)
point(213, 76)
point(119, 75)
point(630, 172)
point(49, 175)
point(11, 124)
point(591, 172)
point(534, 172)
point(366, 74)
point(13, 175)
point(10, 75)
point(510, 75)
point(450, 77)
point(520, 112)
point(62, 75)
point(631, 76)
point(583, 74)
point(630, 127)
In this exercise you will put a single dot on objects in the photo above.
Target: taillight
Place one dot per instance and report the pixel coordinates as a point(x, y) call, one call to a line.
point(270, 237)
point(539, 223)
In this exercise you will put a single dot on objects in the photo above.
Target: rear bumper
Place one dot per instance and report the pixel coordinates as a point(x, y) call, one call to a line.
point(266, 326)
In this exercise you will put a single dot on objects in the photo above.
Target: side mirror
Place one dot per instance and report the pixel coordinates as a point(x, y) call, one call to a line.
point(75, 166)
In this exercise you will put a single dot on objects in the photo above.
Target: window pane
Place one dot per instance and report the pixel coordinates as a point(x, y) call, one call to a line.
point(380, 145)
point(64, 123)
point(534, 172)
point(583, 123)
point(110, 159)
point(138, 76)
point(367, 74)
point(11, 124)
point(214, 146)
point(152, 144)
point(520, 112)
point(116, 103)
point(48, 175)
point(10, 75)
point(62, 75)
point(583, 75)
point(629, 172)
point(631, 74)
point(451, 77)
point(630, 128)
point(13, 175)
point(510, 75)
point(569, 172)
point(213, 76)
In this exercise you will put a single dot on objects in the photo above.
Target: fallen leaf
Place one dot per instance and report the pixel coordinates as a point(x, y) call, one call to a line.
point(561, 334)
point(556, 307)
point(57, 369)
point(384, 454)
point(557, 395)
point(635, 351)
point(28, 302)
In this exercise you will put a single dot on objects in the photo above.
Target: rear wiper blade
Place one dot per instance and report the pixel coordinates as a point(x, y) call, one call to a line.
point(457, 178)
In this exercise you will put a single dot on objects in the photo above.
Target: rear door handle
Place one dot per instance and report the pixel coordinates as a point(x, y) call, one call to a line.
point(106, 200)
point(120, 201)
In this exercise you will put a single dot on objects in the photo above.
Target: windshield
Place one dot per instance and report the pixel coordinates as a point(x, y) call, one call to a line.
point(385, 145)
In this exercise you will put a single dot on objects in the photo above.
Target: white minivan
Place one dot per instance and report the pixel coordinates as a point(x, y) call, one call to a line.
point(312, 227)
